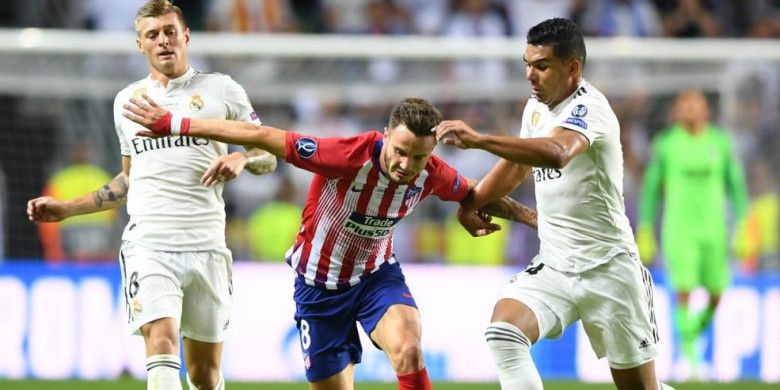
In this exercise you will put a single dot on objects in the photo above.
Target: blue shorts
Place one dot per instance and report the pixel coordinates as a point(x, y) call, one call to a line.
point(326, 319)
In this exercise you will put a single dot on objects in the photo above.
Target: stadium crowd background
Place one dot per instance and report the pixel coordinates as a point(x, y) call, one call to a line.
point(40, 137)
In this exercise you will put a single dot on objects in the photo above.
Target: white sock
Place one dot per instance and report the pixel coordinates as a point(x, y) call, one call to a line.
point(163, 372)
point(511, 351)
point(220, 385)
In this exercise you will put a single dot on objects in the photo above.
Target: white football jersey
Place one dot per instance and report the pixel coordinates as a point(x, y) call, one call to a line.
point(581, 214)
point(170, 210)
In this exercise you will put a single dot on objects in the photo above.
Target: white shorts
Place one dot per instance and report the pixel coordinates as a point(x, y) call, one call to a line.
point(194, 288)
point(614, 302)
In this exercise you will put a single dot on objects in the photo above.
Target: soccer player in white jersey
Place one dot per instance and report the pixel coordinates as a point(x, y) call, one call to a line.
point(587, 268)
point(176, 268)
point(343, 256)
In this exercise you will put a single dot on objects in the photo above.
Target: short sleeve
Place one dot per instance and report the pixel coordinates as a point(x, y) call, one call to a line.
point(237, 103)
point(336, 157)
point(525, 123)
point(588, 115)
point(124, 146)
point(445, 181)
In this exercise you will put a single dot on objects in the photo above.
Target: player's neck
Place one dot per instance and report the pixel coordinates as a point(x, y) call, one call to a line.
point(569, 91)
point(165, 77)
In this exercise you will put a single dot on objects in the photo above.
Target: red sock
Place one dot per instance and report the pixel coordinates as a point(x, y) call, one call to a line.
point(414, 381)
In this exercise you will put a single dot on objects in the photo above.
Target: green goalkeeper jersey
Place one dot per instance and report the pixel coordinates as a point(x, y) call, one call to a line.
point(696, 173)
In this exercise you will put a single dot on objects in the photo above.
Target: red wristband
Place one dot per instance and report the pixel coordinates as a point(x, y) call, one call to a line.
point(185, 126)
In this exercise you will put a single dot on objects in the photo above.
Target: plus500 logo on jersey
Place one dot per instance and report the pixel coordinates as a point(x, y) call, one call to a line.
point(367, 226)
point(305, 147)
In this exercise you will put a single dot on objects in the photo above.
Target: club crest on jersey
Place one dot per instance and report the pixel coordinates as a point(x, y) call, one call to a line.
point(305, 147)
point(196, 103)
point(138, 92)
point(579, 111)
point(411, 192)
point(535, 118)
point(369, 226)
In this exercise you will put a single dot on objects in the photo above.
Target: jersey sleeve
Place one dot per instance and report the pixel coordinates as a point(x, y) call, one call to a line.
point(237, 103)
point(587, 115)
point(336, 157)
point(525, 122)
point(445, 181)
point(124, 146)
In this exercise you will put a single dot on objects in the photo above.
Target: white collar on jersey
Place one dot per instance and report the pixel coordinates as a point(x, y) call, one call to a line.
point(181, 80)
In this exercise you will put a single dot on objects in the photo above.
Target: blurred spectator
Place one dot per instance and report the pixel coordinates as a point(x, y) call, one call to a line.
point(112, 15)
point(687, 19)
point(249, 16)
point(427, 16)
point(344, 16)
point(761, 230)
point(308, 16)
point(274, 225)
point(629, 18)
point(84, 238)
point(524, 14)
point(51, 13)
point(476, 18)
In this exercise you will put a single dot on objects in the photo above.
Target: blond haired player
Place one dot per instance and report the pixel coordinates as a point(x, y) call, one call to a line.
point(176, 268)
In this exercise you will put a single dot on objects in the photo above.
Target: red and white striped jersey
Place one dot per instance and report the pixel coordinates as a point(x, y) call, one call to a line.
point(347, 227)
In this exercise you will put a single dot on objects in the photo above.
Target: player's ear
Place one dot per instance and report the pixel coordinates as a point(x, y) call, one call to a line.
point(387, 133)
point(187, 35)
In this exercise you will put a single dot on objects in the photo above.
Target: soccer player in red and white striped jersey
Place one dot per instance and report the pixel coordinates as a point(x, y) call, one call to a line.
point(343, 255)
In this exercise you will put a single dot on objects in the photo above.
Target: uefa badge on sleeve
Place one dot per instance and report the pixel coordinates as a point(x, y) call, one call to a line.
point(305, 147)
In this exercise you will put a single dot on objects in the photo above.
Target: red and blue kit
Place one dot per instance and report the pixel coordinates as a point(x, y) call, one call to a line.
point(352, 207)
point(343, 255)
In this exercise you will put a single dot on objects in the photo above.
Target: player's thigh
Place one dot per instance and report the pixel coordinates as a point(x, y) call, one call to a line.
point(399, 326)
point(538, 301)
point(386, 308)
point(326, 327)
point(151, 282)
point(616, 304)
point(714, 267)
point(682, 256)
point(208, 295)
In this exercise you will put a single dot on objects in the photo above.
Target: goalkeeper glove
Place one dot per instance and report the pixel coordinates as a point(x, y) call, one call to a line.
point(645, 240)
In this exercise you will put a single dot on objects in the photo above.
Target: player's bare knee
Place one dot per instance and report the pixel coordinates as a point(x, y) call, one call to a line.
point(203, 376)
point(407, 357)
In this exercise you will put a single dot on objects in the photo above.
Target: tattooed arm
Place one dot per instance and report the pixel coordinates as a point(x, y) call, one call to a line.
point(508, 208)
point(111, 195)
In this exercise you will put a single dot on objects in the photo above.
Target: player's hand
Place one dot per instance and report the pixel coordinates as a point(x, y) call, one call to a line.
point(147, 113)
point(224, 168)
point(478, 224)
point(46, 209)
point(456, 133)
point(645, 240)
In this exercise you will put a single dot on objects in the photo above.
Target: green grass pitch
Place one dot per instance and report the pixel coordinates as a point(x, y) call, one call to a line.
point(127, 384)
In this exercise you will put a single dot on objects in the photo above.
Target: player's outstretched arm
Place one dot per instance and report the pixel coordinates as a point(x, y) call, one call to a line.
point(111, 195)
point(161, 122)
point(554, 151)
